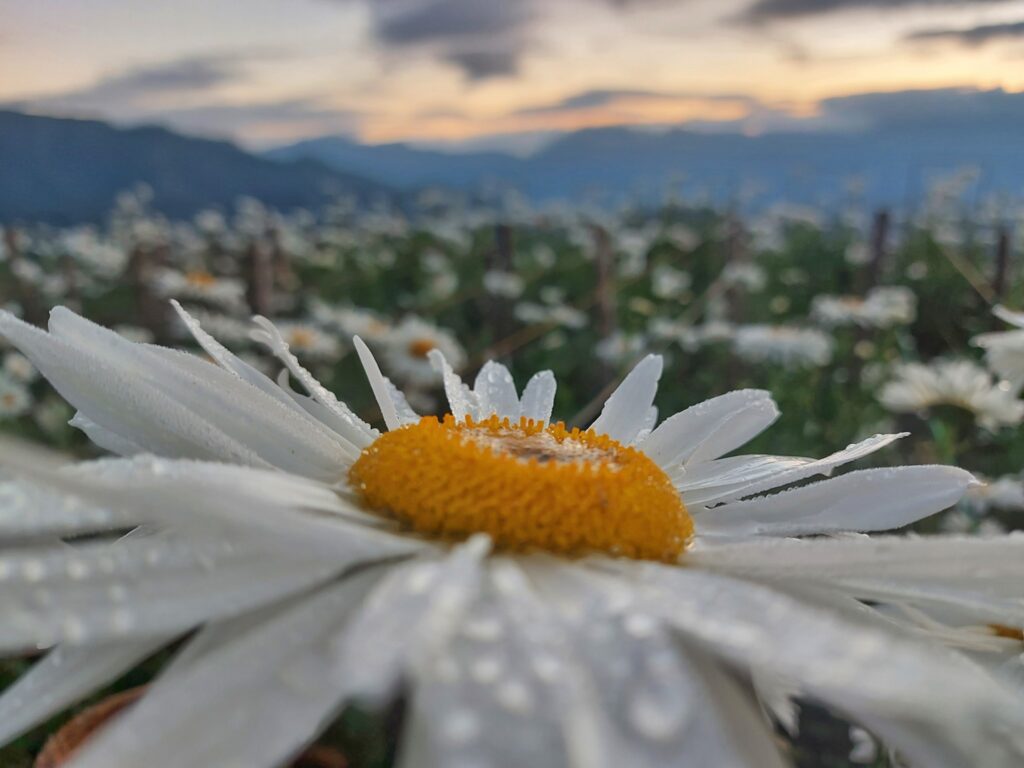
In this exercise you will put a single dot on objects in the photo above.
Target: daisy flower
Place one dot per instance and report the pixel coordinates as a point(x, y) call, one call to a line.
point(15, 399)
point(1004, 350)
point(351, 321)
point(406, 351)
point(200, 285)
point(786, 345)
point(542, 596)
point(309, 342)
point(506, 285)
point(883, 307)
point(916, 387)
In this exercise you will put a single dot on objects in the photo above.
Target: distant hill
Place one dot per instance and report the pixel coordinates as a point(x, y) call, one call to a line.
point(66, 171)
point(400, 165)
point(893, 162)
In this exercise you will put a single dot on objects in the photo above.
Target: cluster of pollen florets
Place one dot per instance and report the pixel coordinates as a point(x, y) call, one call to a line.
point(528, 485)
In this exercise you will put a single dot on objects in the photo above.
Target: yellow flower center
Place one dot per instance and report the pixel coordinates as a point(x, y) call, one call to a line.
point(528, 486)
point(420, 347)
point(199, 278)
point(303, 338)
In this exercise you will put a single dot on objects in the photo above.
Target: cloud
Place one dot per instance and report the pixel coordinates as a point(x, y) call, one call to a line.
point(597, 98)
point(971, 36)
point(770, 10)
point(138, 85)
point(964, 108)
point(181, 94)
point(482, 38)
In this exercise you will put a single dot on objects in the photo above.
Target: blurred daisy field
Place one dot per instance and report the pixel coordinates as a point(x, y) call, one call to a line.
point(507, 383)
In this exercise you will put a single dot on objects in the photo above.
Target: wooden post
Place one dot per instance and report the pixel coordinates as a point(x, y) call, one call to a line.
point(879, 248)
point(152, 312)
point(1001, 279)
point(605, 299)
point(259, 279)
point(497, 310)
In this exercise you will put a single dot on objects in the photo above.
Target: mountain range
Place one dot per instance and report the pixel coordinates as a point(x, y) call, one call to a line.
point(70, 170)
point(893, 165)
point(65, 171)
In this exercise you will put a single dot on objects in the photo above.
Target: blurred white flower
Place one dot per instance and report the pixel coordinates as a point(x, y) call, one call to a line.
point(787, 345)
point(15, 399)
point(882, 307)
point(406, 347)
point(668, 282)
point(746, 275)
point(1004, 350)
point(199, 285)
point(507, 285)
point(19, 368)
point(916, 387)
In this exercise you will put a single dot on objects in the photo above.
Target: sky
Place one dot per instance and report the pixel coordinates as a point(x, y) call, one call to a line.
point(501, 73)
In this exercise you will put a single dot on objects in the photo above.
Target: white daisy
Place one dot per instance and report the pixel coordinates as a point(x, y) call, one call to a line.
point(554, 313)
point(787, 345)
point(507, 285)
point(308, 341)
point(917, 387)
point(19, 369)
point(882, 307)
point(351, 321)
point(199, 285)
point(1004, 350)
point(1003, 494)
point(546, 597)
point(15, 399)
point(406, 348)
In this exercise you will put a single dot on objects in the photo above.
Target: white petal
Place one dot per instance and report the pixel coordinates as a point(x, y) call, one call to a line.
point(225, 359)
point(137, 587)
point(104, 438)
point(357, 431)
point(539, 396)
point(378, 384)
point(624, 412)
point(30, 511)
point(859, 669)
point(496, 391)
point(173, 403)
point(462, 400)
point(648, 426)
point(412, 612)
point(866, 500)
point(251, 702)
point(710, 429)
point(664, 704)
point(1013, 318)
point(977, 577)
point(65, 676)
point(820, 466)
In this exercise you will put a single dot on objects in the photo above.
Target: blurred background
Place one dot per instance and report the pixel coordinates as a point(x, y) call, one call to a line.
point(751, 101)
point(817, 197)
